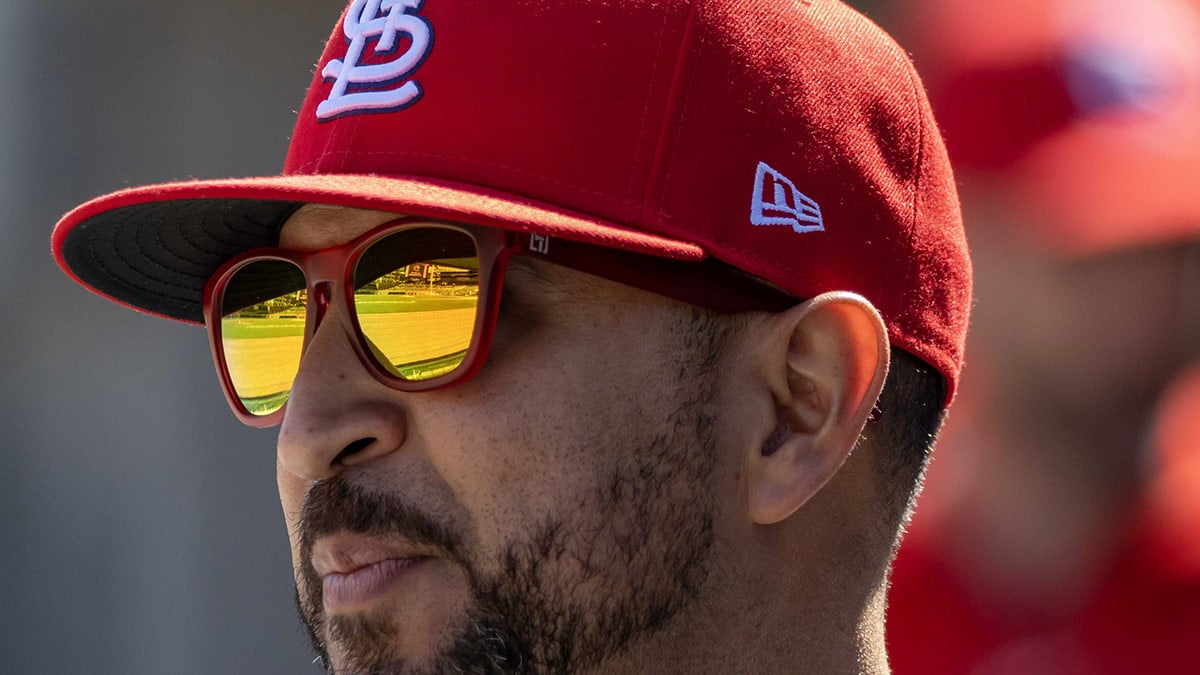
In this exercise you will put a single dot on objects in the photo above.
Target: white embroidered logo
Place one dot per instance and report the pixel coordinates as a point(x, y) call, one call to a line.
point(778, 202)
point(377, 87)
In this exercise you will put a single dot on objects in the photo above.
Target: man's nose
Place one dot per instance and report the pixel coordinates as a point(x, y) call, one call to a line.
point(337, 414)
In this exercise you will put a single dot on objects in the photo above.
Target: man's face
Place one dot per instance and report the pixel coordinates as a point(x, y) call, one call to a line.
point(536, 518)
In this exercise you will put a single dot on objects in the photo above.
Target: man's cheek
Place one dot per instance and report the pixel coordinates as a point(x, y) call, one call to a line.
point(291, 498)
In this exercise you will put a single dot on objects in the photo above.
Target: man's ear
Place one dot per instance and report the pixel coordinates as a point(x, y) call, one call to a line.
point(827, 360)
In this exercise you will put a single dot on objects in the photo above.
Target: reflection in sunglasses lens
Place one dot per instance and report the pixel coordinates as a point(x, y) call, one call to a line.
point(416, 296)
point(262, 332)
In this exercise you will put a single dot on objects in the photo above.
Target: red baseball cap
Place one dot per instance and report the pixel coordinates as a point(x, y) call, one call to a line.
point(1085, 114)
point(790, 139)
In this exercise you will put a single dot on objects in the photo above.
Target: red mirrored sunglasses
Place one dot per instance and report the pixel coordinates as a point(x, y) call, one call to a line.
point(419, 302)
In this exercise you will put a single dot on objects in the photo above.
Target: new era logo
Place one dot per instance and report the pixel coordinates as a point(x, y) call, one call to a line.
point(378, 28)
point(778, 202)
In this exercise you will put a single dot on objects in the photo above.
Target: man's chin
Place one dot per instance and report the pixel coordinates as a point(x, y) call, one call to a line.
point(344, 665)
point(377, 642)
point(362, 642)
point(474, 642)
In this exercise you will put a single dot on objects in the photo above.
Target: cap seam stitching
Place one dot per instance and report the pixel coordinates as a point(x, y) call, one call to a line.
point(112, 275)
point(920, 168)
point(638, 212)
point(683, 113)
point(157, 234)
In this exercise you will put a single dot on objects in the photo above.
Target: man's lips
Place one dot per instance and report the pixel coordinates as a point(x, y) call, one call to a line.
point(348, 592)
point(355, 570)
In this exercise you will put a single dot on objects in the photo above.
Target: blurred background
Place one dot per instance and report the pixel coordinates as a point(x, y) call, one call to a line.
point(1059, 531)
point(140, 529)
point(1060, 528)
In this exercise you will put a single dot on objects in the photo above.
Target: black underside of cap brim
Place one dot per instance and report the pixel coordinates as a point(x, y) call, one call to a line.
point(157, 256)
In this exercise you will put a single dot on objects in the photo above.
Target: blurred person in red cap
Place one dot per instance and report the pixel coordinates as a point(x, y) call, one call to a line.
point(574, 318)
point(1075, 128)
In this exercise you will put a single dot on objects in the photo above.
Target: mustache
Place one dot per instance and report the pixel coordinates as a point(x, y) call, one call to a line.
point(338, 505)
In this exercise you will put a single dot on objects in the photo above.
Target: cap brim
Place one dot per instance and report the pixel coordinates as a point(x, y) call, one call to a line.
point(153, 248)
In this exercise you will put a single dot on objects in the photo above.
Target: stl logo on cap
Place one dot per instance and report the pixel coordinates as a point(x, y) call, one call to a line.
point(360, 87)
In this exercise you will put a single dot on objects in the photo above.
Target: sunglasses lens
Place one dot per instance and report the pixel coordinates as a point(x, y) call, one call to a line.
point(416, 297)
point(262, 332)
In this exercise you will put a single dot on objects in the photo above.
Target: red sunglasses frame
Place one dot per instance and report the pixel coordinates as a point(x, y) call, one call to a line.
point(329, 272)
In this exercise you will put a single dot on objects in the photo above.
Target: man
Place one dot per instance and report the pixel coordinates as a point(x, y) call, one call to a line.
point(572, 316)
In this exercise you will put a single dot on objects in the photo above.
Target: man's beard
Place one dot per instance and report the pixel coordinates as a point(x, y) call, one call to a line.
point(568, 592)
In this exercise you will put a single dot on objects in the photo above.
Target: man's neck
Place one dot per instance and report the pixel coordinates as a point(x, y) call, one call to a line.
point(762, 637)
